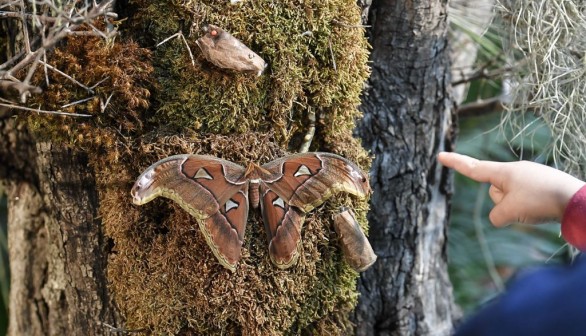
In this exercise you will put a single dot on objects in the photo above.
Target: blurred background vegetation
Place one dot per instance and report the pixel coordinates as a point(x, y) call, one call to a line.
point(4, 271)
point(500, 121)
point(482, 257)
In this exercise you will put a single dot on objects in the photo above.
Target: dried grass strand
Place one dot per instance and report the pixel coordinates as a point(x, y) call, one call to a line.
point(550, 37)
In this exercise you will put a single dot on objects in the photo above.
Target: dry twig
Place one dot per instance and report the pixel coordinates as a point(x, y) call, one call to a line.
point(17, 107)
point(179, 35)
point(333, 57)
point(308, 138)
point(41, 32)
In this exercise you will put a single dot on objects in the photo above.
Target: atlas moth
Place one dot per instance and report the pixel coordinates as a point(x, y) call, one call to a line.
point(218, 194)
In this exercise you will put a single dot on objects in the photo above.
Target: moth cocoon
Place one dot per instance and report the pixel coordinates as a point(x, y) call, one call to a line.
point(227, 52)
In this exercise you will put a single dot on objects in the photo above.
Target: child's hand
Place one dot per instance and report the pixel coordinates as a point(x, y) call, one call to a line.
point(522, 191)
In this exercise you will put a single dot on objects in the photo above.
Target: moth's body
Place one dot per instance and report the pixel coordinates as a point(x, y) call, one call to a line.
point(218, 193)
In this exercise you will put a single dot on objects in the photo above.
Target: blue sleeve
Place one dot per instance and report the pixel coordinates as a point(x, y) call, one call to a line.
point(548, 301)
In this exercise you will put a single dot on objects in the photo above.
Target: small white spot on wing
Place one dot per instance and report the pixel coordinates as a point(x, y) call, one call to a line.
point(146, 179)
point(231, 205)
point(353, 172)
point(303, 170)
point(279, 202)
point(202, 173)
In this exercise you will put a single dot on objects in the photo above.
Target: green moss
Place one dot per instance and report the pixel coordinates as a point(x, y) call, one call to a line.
point(301, 43)
point(163, 275)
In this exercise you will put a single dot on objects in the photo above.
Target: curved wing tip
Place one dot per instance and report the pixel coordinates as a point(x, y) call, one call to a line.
point(366, 266)
point(285, 265)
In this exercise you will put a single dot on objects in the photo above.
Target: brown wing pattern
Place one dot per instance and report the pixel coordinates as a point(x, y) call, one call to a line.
point(283, 227)
point(210, 189)
point(215, 191)
point(307, 180)
point(357, 250)
point(224, 230)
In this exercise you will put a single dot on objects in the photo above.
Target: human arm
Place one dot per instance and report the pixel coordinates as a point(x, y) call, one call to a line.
point(528, 192)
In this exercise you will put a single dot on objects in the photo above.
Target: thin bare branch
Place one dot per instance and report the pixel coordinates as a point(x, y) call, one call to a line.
point(45, 68)
point(179, 35)
point(67, 76)
point(98, 83)
point(18, 86)
point(78, 101)
point(27, 42)
point(332, 54)
point(482, 107)
point(104, 105)
point(9, 4)
point(64, 21)
point(188, 49)
point(308, 138)
point(168, 38)
point(16, 107)
point(484, 73)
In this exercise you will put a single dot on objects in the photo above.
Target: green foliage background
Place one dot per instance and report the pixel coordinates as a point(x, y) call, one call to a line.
point(482, 257)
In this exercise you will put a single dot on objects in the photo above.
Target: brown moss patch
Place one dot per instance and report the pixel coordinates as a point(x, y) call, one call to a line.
point(119, 76)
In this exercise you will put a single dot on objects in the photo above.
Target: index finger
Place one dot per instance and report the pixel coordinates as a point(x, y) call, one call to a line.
point(481, 171)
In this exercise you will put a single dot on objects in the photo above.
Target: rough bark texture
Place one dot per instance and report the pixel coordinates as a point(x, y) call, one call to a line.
point(407, 120)
point(56, 246)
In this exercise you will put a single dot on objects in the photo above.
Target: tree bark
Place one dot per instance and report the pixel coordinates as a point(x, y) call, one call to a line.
point(407, 121)
point(57, 249)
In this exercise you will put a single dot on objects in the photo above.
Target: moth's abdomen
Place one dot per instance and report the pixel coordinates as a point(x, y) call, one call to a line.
point(253, 193)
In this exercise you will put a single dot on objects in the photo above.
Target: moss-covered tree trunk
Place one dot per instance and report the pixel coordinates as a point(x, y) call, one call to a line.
point(87, 261)
point(407, 120)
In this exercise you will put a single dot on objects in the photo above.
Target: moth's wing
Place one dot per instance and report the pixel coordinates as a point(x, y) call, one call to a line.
point(307, 180)
point(355, 246)
point(283, 227)
point(224, 230)
point(207, 188)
